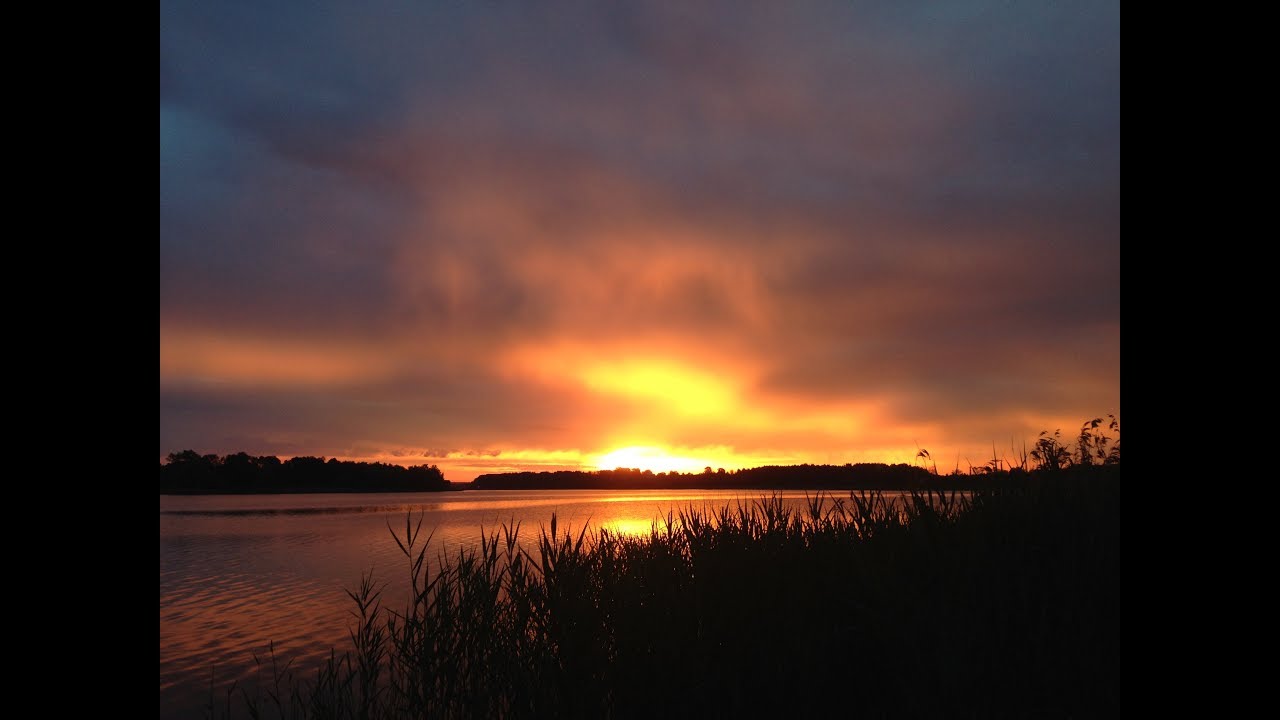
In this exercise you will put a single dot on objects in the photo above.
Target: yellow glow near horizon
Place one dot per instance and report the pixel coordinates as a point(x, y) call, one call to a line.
point(674, 393)
point(645, 457)
point(677, 388)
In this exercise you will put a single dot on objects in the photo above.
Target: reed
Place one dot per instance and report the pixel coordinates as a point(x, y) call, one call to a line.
point(997, 602)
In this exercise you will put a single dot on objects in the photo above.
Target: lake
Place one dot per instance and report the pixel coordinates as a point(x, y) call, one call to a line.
point(238, 572)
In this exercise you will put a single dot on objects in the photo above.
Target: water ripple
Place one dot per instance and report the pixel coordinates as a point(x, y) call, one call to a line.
point(242, 577)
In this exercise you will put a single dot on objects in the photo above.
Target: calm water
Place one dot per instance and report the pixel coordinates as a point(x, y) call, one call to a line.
point(240, 571)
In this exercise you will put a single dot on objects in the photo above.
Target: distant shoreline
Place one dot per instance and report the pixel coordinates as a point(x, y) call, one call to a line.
point(607, 481)
point(190, 473)
point(859, 476)
point(316, 491)
point(242, 474)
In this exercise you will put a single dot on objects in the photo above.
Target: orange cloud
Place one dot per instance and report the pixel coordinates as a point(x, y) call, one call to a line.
point(815, 233)
point(237, 360)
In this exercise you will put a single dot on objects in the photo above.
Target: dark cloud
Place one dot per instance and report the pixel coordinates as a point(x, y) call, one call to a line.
point(913, 207)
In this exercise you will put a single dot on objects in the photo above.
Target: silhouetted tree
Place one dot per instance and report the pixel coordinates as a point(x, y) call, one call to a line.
point(240, 472)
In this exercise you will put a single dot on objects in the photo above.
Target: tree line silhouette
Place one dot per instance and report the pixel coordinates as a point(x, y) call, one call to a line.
point(191, 472)
point(1095, 445)
point(860, 476)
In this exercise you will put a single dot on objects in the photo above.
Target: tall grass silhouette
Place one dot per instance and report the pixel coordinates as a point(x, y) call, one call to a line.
point(998, 602)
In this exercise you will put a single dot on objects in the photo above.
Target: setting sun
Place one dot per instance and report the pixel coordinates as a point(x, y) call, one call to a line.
point(473, 267)
point(657, 460)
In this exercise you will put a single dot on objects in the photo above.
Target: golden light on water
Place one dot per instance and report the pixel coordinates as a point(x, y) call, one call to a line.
point(634, 526)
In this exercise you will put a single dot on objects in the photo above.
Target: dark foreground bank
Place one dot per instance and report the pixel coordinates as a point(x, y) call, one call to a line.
point(1003, 603)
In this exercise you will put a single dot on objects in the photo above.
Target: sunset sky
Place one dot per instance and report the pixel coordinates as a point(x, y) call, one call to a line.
point(501, 235)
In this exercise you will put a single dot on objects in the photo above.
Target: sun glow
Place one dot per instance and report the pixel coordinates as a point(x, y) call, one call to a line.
point(678, 388)
point(644, 457)
point(660, 406)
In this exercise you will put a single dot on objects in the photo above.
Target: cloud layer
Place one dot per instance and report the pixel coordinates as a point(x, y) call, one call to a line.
point(824, 232)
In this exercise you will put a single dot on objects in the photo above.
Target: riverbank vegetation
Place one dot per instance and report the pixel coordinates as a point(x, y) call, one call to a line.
point(860, 476)
point(189, 472)
point(998, 602)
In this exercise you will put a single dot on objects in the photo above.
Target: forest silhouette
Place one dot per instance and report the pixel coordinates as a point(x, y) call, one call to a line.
point(191, 472)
